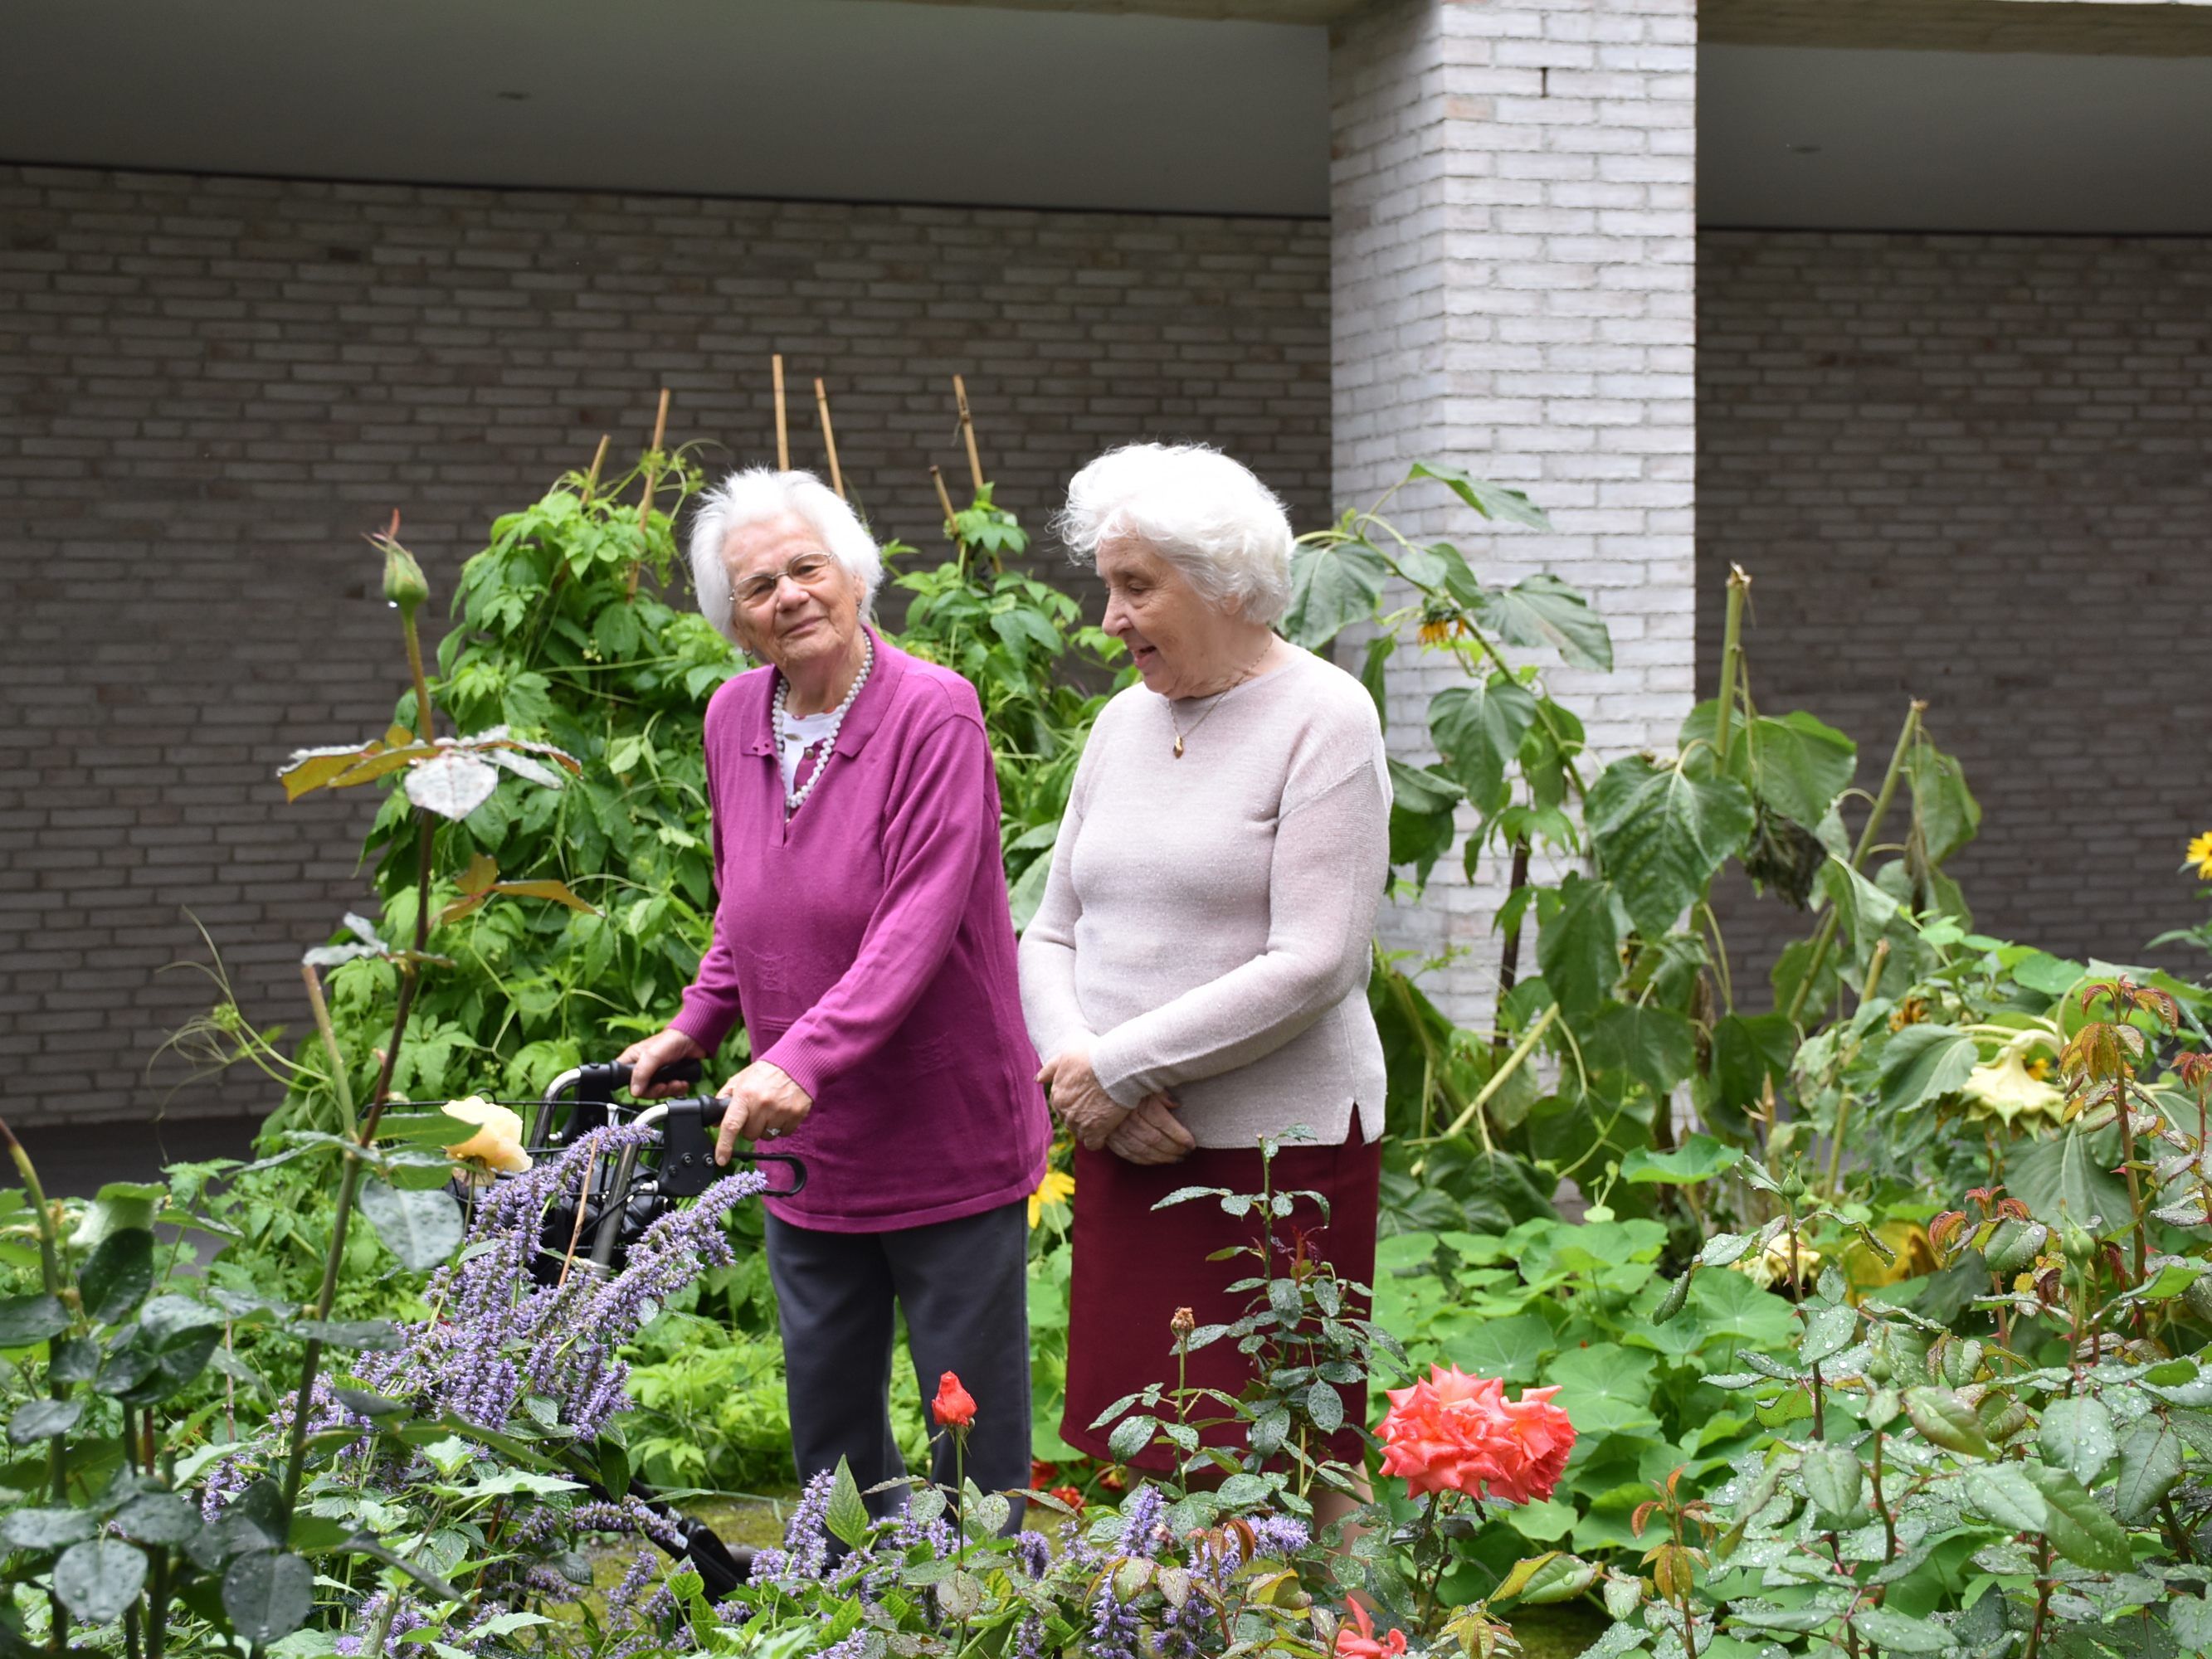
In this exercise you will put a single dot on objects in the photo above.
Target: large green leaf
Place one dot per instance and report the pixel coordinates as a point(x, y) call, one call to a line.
point(1944, 811)
point(1866, 910)
point(1541, 610)
point(1477, 730)
point(1579, 946)
point(1698, 1159)
point(1512, 1348)
point(421, 1228)
point(27, 1319)
point(1661, 833)
point(268, 1595)
point(1605, 1390)
point(1748, 1051)
point(2076, 1524)
point(1421, 816)
point(119, 1275)
point(1333, 585)
point(1655, 1046)
point(1923, 1062)
point(1492, 501)
point(1800, 765)
point(2068, 1176)
point(97, 1579)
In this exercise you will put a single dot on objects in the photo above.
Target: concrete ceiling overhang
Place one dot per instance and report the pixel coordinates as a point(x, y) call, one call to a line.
point(2130, 29)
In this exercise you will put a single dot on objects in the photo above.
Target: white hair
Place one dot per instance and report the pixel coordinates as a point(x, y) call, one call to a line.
point(760, 494)
point(1203, 513)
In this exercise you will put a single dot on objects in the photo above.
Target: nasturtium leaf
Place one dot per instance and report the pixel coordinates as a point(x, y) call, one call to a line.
point(1949, 1421)
point(1605, 1390)
point(120, 1274)
point(1478, 729)
point(2077, 1437)
point(1543, 611)
point(1922, 1063)
point(1661, 832)
point(2054, 976)
point(1512, 1348)
point(1490, 500)
point(421, 1228)
point(1799, 764)
point(1698, 1159)
point(1655, 1046)
point(1834, 1479)
point(1333, 585)
point(268, 1593)
point(2150, 1468)
point(2076, 1524)
point(97, 1579)
point(1578, 947)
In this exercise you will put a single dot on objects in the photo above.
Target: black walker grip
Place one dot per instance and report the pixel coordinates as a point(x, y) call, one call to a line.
point(686, 1157)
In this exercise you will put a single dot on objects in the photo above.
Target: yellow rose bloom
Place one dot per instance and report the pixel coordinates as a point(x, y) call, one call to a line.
point(1057, 1188)
point(497, 1143)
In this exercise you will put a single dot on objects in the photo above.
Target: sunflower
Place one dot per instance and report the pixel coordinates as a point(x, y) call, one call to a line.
point(1057, 1188)
point(2200, 855)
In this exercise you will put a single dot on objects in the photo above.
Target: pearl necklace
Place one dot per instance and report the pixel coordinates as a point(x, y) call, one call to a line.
point(794, 798)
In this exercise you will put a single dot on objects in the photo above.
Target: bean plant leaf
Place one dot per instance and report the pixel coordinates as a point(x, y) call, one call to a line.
point(97, 1579)
point(1490, 500)
point(1922, 1063)
point(1945, 813)
point(268, 1595)
point(2068, 1176)
point(2076, 1524)
point(421, 1228)
point(2077, 1437)
point(1800, 765)
point(1333, 585)
point(1477, 730)
point(1661, 832)
point(1579, 946)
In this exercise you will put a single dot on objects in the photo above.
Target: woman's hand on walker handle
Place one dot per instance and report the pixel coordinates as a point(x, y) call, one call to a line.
point(762, 1103)
point(1091, 1114)
point(1151, 1134)
point(647, 1055)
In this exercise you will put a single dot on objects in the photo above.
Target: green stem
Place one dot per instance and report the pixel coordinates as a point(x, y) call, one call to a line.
point(339, 1082)
point(1739, 587)
point(1826, 938)
point(157, 1605)
point(414, 668)
point(1511, 1064)
point(50, 1271)
point(1509, 967)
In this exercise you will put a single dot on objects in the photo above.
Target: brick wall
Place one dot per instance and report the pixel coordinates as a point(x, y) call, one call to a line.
point(1515, 244)
point(1977, 470)
point(210, 387)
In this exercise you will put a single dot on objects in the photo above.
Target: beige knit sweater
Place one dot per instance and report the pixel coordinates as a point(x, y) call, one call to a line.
point(1207, 922)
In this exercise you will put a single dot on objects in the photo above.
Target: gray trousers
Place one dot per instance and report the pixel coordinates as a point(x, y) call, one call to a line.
point(964, 1287)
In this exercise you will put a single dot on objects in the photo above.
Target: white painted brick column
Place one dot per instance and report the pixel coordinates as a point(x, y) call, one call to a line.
point(1514, 247)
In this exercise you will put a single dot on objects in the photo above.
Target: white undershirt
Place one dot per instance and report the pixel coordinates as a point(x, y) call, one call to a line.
point(799, 733)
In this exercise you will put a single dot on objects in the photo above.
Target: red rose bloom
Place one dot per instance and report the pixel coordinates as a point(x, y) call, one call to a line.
point(1362, 1644)
point(954, 1407)
point(1459, 1433)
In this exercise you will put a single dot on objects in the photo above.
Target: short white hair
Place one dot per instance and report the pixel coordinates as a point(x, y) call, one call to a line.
point(760, 494)
point(1203, 513)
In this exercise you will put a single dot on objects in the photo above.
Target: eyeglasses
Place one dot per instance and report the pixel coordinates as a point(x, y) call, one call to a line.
point(807, 569)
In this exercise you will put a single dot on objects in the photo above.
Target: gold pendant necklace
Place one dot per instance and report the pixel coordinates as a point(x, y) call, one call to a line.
point(1220, 697)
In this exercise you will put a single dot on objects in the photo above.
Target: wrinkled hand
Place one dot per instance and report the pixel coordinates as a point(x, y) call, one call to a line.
point(1153, 1134)
point(1091, 1114)
point(649, 1055)
point(763, 1104)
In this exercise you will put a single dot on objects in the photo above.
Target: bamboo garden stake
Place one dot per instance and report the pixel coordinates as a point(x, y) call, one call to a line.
point(968, 431)
point(828, 437)
point(782, 437)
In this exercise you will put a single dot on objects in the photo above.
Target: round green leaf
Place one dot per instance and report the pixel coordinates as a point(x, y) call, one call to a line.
point(96, 1580)
point(45, 1528)
point(158, 1518)
point(43, 1419)
point(421, 1228)
point(1834, 1479)
point(268, 1593)
point(27, 1319)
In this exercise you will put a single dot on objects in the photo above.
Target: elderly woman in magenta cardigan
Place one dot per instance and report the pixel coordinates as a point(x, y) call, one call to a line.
point(862, 935)
point(1196, 974)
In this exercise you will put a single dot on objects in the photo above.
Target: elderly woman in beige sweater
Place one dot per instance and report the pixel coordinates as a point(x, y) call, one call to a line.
point(1195, 978)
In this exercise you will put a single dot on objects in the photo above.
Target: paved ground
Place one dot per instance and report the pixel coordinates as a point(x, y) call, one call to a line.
point(74, 1160)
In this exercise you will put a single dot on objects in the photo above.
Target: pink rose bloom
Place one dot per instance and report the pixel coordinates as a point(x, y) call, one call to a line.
point(1459, 1433)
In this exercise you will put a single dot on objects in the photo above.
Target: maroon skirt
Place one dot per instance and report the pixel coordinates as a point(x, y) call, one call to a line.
point(1135, 1265)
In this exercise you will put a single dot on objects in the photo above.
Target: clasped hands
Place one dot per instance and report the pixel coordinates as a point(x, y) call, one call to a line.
point(761, 1102)
point(1147, 1132)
